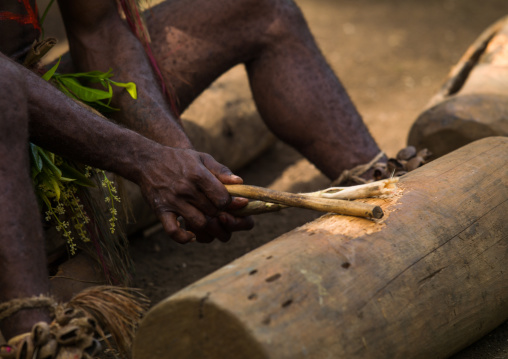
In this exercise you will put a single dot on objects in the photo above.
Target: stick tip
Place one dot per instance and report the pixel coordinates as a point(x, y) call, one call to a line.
point(377, 212)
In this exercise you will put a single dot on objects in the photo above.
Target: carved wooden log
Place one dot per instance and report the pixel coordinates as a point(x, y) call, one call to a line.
point(473, 102)
point(424, 282)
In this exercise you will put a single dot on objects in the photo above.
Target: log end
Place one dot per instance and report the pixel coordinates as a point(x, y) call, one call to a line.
point(195, 328)
point(460, 120)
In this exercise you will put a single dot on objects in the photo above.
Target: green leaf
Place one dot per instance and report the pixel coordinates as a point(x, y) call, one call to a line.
point(66, 91)
point(51, 183)
point(65, 179)
point(82, 92)
point(34, 172)
point(92, 75)
point(50, 165)
point(79, 178)
point(110, 90)
point(43, 17)
point(45, 199)
point(101, 106)
point(129, 86)
point(49, 74)
point(56, 188)
point(103, 82)
point(37, 160)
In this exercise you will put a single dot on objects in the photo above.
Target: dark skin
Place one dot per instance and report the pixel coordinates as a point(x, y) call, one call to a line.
point(158, 169)
point(177, 181)
point(22, 242)
point(194, 41)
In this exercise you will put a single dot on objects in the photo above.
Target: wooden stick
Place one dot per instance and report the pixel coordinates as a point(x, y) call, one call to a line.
point(358, 209)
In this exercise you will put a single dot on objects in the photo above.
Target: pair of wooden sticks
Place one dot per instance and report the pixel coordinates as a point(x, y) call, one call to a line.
point(333, 199)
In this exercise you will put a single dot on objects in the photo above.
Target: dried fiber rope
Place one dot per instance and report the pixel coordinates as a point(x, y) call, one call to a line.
point(9, 308)
point(77, 326)
point(353, 175)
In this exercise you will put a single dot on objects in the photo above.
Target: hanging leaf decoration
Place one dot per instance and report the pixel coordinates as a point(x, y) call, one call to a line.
point(55, 179)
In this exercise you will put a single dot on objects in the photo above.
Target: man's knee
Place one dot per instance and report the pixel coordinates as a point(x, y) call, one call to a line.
point(276, 19)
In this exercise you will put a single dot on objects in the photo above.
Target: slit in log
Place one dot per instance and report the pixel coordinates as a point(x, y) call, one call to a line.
point(273, 278)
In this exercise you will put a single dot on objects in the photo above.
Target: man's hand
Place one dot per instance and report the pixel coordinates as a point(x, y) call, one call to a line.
point(183, 182)
point(224, 224)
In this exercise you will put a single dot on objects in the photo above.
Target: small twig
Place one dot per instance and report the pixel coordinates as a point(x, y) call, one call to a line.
point(38, 50)
point(75, 279)
point(384, 187)
point(257, 207)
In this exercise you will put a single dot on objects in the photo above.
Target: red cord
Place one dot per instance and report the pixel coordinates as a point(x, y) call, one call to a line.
point(31, 18)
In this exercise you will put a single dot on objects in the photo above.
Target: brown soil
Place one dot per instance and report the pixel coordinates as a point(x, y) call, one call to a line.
point(392, 56)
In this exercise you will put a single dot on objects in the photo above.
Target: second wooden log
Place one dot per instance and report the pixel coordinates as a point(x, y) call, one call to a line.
point(473, 102)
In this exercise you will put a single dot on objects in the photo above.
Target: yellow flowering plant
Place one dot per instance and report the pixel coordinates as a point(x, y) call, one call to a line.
point(57, 180)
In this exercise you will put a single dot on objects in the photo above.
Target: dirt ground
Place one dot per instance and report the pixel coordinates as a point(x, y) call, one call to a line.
point(392, 56)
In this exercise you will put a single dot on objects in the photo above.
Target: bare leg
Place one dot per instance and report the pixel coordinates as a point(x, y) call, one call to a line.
point(296, 92)
point(23, 271)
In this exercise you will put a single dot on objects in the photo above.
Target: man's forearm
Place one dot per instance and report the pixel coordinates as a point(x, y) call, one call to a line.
point(63, 126)
point(111, 45)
